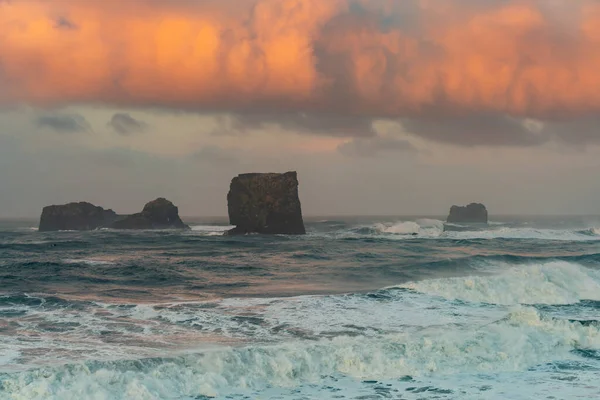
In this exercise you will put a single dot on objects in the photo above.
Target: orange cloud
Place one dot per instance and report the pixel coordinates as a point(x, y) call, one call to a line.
point(360, 57)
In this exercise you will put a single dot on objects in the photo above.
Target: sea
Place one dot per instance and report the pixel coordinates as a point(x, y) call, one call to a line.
point(359, 308)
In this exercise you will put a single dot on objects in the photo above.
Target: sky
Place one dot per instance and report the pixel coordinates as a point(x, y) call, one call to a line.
point(384, 107)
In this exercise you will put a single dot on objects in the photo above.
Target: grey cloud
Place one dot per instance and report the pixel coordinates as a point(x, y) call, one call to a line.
point(578, 132)
point(475, 130)
point(371, 147)
point(125, 124)
point(64, 123)
point(299, 122)
point(468, 130)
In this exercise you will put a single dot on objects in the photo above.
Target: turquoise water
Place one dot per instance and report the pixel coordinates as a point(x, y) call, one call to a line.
point(359, 308)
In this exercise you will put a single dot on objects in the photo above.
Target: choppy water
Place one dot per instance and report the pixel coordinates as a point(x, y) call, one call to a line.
point(357, 309)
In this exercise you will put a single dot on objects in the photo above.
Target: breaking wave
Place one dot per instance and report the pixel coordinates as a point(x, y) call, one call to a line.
point(526, 233)
point(521, 340)
point(425, 227)
point(553, 282)
point(210, 230)
point(184, 315)
point(436, 229)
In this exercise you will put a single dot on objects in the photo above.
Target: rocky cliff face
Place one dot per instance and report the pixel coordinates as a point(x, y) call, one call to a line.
point(75, 217)
point(473, 213)
point(158, 214)
point(265, 203)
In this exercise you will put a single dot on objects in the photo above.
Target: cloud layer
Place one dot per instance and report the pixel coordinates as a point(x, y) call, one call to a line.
point(460, 71)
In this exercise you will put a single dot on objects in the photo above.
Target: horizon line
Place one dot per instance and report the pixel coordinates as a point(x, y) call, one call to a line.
point(420, 215)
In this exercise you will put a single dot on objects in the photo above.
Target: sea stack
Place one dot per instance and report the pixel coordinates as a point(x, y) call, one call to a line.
point(473, 213)
point(265, 203)
point(158, 214)
point(80, 216)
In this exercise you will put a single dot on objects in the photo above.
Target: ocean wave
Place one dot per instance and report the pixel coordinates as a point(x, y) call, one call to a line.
point(395, 230)
point(25, 242)
point(552, 282)
point(28, 229)
point(211, 230)
point(436, 229)
point(89, 262)
point(523, 233)
point(496, 223)
point(521, 340)
point(592, 231)
point(421, 227)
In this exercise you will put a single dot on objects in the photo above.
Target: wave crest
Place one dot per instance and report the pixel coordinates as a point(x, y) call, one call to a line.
point(436, 229)
point(555, 282)
point(210, 230)
point(519, 341)
point(420, 227)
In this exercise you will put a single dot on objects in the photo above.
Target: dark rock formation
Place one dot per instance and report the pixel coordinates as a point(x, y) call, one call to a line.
point(158, 214)
point(265, 203)
point(75, 217)
point(473, 213)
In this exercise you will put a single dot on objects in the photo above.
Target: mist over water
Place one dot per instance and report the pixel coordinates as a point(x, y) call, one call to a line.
point(384, 307)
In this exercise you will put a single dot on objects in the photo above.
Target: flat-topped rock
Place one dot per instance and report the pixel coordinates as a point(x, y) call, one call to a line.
point(472, 213)
point(265, 203)
point(158, 214)
point(80, 216)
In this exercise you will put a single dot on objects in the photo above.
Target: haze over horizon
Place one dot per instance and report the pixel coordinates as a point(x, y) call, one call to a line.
point(383, 107)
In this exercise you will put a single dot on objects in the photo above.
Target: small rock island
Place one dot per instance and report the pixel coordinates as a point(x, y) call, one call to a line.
point(472, 213)
point(158, 214)
point(265, 203)
point(83, 216)
point(80, 216)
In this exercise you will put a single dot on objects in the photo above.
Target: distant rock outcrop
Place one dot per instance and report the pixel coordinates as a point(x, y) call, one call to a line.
point(158, 214)
point(75, 217)
point(473, 213)
point(265, 203)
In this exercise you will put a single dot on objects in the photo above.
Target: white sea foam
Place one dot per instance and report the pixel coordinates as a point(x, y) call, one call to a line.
point(28, 228)
point(434, 229)
point(28, 242)
point(8, 355)
point(210, 230)
point(556, 282)
point(517, 342)
point(421, 227)
point(89, 262)
point(521, 233)
point(147, 330)
point(398, 228)
point(410, 334)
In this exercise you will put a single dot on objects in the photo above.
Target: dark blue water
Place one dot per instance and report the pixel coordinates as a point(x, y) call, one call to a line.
point(383, 307)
